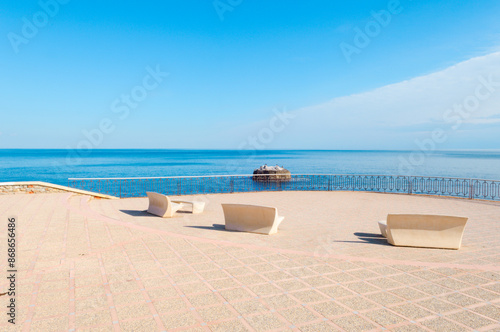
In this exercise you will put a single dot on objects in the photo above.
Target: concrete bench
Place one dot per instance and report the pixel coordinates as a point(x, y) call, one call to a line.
point(426, 231)
point(251, 218)
point(197, 206)
point(161, 205)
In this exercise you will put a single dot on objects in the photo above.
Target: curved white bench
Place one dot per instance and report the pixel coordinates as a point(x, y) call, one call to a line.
point(421, 230)
point(161, 205)
point(251, 218)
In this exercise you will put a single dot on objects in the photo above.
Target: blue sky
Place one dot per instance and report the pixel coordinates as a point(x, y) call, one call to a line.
point(232, 65)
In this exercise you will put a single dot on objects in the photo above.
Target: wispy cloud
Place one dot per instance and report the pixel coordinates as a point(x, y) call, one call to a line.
point(393, 116)
point(400, 110)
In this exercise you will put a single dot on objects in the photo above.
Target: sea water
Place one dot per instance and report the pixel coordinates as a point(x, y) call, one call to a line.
point(56, 166)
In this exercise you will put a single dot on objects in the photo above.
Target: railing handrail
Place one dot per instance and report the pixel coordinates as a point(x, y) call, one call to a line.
point(235, 175)
point(205, 184)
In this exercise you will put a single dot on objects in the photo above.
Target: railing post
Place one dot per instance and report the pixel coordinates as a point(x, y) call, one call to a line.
point(471, 189)
point(120, 193)
point(410, 185)
point(232, 184)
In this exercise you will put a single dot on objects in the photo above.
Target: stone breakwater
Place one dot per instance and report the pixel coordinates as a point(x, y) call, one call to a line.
point(28, 189)
point(271, 174)
point(39, 187)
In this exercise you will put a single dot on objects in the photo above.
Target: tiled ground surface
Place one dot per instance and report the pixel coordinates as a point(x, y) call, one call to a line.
point(102, 265)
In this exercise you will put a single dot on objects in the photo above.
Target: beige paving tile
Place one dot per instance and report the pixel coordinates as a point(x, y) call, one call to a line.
point(437, 306)
point(319, 327)
point(431, 289)
point(170, 304)
point(213, 274)
point(317, 281)
point(291, 285)
point(492, 287)
point(156, 282)
point(353, 323)
point(301, 272)
point(52, 324)
point(238, 271)
point(108, 328)
point(298, 315)
point(489, 310)
point(127, 298)
point(480, 293)
point(330, 309)
point(452, 284)
point(336, 291)
point(232, 325)
point(324, 269)
point(472, 279)
point(204, 299)
point(91, 303)
point(385, 283)
point(470, 319)
point(178, 320)
point(216, 313)
point(384, 317)
point(136, 310)
point(102, 317)
point(263, 268)
point(384, 298)
point(363, 274)
point(357, 303)
point(249, 307)
point(265, 289)
point(220, 284)
point(146, 324)
point(277, 275)
point(43, 311)
point(120, 287)
point(281, 301)
point(193, 288)
point(412, 278)
point(181, 279)
point(308, 296)
point(409, 328)
point(441, 324)
point(409, 293)
point(265, 322)
point(460, 299)
point(411, 311)
point(235, 294)
point(361, 287)
point(491, 275)
point(341, 277)
point(251, 279)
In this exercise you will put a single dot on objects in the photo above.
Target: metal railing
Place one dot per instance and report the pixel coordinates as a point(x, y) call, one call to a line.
point(191, 185)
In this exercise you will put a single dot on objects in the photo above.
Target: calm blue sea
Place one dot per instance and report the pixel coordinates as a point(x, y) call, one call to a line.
point(57, 166)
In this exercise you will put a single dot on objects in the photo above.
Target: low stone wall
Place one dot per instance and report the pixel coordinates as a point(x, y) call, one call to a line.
point(28, 189)
point(38, 187)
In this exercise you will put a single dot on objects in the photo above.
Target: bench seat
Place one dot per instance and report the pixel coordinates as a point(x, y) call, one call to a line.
point(251, 218)
point(420, 230)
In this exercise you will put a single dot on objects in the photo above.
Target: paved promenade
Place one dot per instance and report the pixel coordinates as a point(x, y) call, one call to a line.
point(105, 265)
